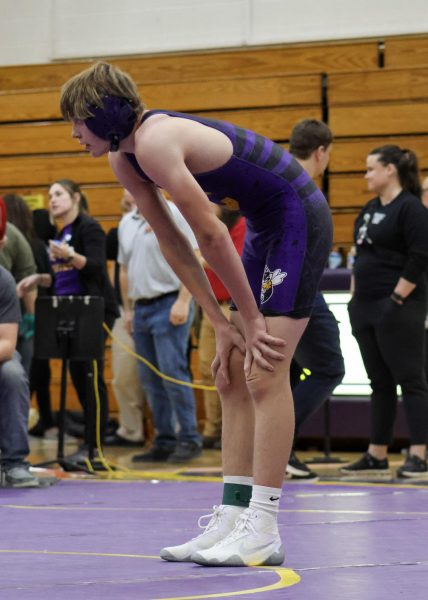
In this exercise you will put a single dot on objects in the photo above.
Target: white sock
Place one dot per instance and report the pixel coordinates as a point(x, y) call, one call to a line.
point(238, 479)
point(266, 498)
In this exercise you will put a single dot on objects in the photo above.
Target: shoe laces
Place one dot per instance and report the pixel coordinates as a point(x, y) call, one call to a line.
point(214, 519)
point(243, 525)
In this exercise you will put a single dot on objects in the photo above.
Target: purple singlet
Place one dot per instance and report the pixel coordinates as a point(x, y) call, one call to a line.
point(289, 228)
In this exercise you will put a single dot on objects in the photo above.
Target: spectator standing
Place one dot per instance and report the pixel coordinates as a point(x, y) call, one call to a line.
point(388, 307)
point(126, 382)
point(159, 312)
point(212, 425)
point(319, 347)
point(78, 267)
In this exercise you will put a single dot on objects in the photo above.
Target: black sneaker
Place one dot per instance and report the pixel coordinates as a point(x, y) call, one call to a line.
point(297, 469)
point(185, 451)
point(367, 465)
point(117, 440)
point(155, 454)
point(79, 461)
point(38, 430)
point(209, 441)
point(413, 467)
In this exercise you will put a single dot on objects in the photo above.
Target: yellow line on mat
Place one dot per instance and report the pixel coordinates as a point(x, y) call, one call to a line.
point(286, 577)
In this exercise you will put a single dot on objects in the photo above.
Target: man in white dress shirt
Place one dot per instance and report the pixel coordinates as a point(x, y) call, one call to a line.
point(159, 311)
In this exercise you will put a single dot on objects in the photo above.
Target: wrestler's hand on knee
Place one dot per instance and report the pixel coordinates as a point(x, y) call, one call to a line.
point(227, 338)
point(259, 345)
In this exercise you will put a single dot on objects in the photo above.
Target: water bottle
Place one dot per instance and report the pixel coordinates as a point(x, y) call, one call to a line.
point(350, 258)
point(334, 259)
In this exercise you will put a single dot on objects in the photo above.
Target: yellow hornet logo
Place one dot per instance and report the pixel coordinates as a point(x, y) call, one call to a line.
point(230, 204)
point(270, 279)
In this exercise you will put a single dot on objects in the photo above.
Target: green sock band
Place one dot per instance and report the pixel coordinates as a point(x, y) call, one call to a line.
point(236, 494)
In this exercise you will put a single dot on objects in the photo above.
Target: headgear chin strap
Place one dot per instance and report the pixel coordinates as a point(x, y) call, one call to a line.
point(113, 121)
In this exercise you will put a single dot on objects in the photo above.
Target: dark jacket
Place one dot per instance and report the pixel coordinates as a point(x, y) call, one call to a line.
point(88, 239)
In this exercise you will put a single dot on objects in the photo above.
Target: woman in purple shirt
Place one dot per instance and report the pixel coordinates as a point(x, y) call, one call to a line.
point(78, 268)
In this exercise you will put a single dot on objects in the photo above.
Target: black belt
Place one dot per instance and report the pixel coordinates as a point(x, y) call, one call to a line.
point(146, 301)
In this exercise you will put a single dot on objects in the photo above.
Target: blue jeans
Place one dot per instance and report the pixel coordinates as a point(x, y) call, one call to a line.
point(319, 351)
point(26, 350)
point(165, 346)
point(14, 409)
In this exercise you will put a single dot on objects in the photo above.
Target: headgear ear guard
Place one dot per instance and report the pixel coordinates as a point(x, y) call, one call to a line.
point(113, 121)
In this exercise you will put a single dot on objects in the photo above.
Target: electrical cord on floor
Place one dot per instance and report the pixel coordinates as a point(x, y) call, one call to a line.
point(113, 470)
point(195, 386)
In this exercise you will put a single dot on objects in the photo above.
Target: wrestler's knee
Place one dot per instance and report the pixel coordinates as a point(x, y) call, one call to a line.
point(259, 382)
point(13, 374)
point(236, 376)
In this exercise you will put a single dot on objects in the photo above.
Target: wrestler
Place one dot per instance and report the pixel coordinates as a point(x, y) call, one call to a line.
point(289, 234)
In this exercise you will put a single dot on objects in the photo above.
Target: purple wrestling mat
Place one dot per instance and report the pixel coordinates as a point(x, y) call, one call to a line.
point(101, 540)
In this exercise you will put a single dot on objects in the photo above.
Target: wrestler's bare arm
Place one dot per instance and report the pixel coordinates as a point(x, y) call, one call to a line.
point(177, 150)
point(180, 255)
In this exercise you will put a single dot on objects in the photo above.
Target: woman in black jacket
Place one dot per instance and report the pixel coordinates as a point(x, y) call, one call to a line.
point(388, 307)
point(78, 268)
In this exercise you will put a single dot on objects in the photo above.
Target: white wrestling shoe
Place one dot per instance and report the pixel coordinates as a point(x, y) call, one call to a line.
point(255, 541)
point(222, 522)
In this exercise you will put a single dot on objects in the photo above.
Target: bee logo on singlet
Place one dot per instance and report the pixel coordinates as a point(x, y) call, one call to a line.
point(270, 279)
point(230, 203)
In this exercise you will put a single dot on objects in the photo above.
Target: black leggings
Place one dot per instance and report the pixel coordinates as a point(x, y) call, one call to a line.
point(391, 338)
point(81, 372)
point(40, 380)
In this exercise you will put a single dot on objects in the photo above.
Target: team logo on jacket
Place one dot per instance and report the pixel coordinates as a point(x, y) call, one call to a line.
point(270, 280)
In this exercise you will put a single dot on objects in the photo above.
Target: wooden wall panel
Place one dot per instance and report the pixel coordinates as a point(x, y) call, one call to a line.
point(108, 223)
point(43, 170)
point(343, 227)
point(378, 86)
point(350, 155)
point(191, 66)
point(348, 191)
point(43, 105)
point(37, 138)
point(233, 93)
point(407, 51)
point(104, 200)
point(275, 123)
point(379, 119)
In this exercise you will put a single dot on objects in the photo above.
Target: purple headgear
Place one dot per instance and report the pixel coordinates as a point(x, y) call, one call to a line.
point(113, 121)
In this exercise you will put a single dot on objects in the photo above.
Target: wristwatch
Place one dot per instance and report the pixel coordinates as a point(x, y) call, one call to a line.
point(397, 298)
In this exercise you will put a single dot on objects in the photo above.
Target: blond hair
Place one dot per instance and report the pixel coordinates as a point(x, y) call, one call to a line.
point(91, 85)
